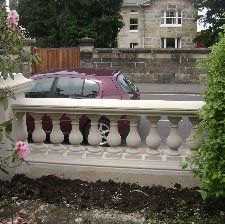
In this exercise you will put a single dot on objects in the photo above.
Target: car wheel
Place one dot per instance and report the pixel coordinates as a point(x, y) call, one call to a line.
point(103, 126)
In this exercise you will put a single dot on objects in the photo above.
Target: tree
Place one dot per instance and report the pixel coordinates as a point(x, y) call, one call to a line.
point(214, 17)
point(209, 161)
point(13, 4)
point(59, 23)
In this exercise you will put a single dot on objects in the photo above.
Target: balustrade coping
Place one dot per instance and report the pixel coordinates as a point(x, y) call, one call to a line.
point(107, 106)
point(18, 84)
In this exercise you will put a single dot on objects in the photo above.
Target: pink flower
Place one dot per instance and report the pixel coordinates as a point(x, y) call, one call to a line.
point(12, 19)
point(21, 149)
point(20, 144)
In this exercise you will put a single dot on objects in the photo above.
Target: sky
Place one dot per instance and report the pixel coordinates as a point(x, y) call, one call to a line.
point(199, 27)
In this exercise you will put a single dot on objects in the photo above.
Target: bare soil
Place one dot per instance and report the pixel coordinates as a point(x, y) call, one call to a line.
point(50, 199)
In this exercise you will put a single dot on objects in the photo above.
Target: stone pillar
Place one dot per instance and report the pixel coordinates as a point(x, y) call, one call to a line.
point(86, 46)
point(193, 142)
point(133, 139)
point(174, 140)
point(38, 135)
point(26, 66)
point(153, 139)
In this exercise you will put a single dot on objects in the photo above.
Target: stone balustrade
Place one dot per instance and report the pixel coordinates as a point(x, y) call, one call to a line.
point(136, 153)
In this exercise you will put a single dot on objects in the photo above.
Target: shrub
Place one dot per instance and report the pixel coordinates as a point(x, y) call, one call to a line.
point(11, 45)
point(209, 161)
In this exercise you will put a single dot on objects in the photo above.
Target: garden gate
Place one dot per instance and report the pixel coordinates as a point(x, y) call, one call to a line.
point(56, 58)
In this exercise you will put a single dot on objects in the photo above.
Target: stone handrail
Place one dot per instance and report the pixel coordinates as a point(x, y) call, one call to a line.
point(108, 106)
point(113, 110)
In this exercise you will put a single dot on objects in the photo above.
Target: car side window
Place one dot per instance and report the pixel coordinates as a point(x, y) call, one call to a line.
point(41, 89)
point(91, 89)
point(69, 87)
point(126, 84)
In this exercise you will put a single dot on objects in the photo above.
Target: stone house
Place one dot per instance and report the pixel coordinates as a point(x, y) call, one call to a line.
point(158, 24)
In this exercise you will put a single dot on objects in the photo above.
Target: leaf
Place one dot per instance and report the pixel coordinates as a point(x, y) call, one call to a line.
point(1, 136)
point(184, 165)
point(5, 103)
point(11, 75)
point(6, 158)
point(203, 194)
point(8, 126)
point(9, 136)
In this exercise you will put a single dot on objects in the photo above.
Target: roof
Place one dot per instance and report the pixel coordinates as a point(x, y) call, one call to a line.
point(135, 2)
point(78, 71)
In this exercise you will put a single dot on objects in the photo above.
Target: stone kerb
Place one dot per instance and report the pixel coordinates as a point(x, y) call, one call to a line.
point(153, 65)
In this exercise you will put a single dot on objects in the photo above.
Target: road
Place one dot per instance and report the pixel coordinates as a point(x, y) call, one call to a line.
point(164, 124)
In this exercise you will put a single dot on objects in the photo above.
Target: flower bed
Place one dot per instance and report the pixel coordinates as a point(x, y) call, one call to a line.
point(49, 198)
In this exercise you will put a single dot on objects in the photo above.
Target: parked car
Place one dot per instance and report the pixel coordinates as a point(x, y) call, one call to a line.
point(82, 83)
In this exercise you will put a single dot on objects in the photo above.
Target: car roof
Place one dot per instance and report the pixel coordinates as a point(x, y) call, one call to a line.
point(77, 71)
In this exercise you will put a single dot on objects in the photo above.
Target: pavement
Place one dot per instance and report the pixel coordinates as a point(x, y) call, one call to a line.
point(170, 88)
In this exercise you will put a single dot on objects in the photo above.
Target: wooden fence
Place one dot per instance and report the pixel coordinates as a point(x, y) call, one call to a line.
point(56, 58)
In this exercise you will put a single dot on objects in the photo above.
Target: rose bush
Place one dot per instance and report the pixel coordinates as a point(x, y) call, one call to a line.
point(11, 45)
point(21, 149)
point(12, 19)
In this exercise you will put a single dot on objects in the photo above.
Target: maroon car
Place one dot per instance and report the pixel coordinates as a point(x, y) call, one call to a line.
point(82, 83)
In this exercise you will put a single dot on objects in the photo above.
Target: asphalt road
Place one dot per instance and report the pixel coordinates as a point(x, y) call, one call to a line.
point(164, 124)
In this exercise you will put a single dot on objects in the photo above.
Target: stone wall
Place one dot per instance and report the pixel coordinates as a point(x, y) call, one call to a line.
point(153, 65)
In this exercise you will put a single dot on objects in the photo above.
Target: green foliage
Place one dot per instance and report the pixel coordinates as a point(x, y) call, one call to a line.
point(11, 46)
point(214, 18)
point(60, 23)
point(209, 162)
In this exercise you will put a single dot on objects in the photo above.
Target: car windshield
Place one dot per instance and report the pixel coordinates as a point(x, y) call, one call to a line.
point(126, 84)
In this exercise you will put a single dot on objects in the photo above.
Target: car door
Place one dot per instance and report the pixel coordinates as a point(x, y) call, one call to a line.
point(92, 89)
point(69, 87)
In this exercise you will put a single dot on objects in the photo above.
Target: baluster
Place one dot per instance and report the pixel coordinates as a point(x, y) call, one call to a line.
point(75, 137)
point(19, 127)
point(114, 138)
point(56, 136)
point(94, 137)
point(193, 143)
point(38, 135)
point(133, 139)
point(174, 140)
point(153, 139)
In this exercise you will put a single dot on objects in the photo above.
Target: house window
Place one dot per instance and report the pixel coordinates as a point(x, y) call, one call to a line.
point(171, 18)
point(134, 11)
point(134, 24)
point(133, 45)
point(170, 43)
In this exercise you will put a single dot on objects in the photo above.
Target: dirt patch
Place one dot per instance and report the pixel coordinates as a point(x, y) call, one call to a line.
point(48, 198)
